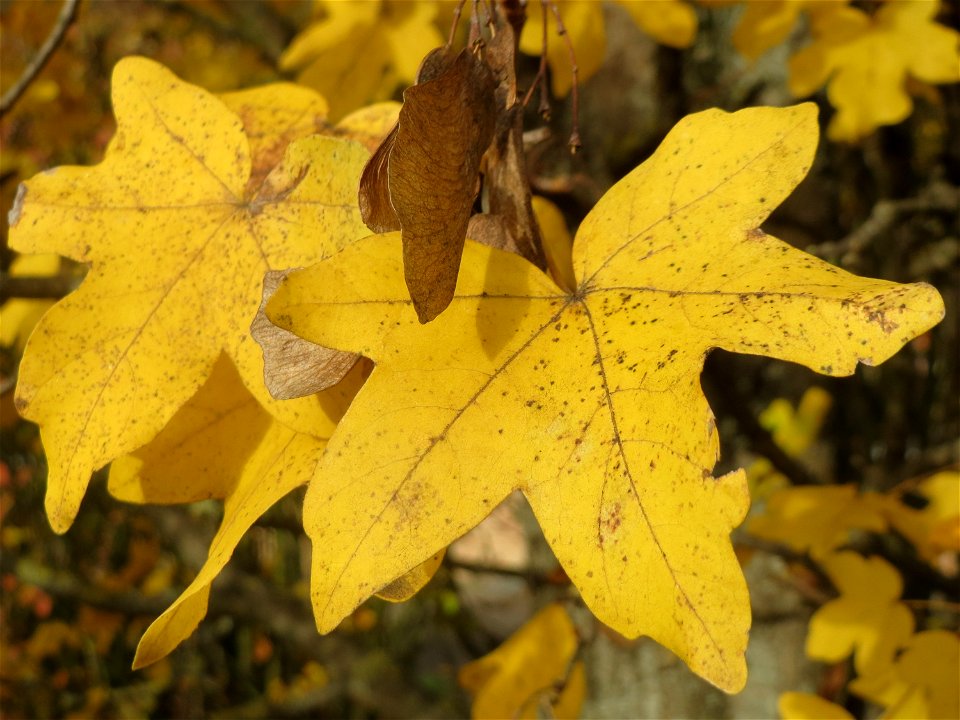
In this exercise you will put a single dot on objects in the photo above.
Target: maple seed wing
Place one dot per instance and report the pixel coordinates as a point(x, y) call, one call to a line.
point(374, 194)
point(445, 126)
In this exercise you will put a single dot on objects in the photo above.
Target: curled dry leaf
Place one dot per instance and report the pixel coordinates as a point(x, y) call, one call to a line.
point(401, 190)
point(491, 230)
point(294, 367)
point(376, 207)
point(506, 189)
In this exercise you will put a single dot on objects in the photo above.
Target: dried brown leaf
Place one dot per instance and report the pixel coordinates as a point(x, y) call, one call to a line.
point(445, 126)
point(490, 230)
point(294, 367)
point(374, 193)
point(507, 190)
point(505, 175)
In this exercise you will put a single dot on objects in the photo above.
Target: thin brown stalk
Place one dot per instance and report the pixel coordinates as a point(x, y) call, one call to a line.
point(574, 141)
point(68, 12)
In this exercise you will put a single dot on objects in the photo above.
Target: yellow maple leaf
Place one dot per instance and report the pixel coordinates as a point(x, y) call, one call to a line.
point(923, 681)
point(671, 22)
point(519, 679)
point(766, 23)
point(557, 242)
point(817, 519)
point(867, 620)
point(804, 706)
point(178, 241)
point(794, 430)
point(359, 52)
point(865, 61)
point(220, 444)
point(588, 402)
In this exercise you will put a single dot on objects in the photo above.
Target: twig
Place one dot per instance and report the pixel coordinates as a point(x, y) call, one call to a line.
point(457, 11)
point(936, 197)
point(68, 12)
point(36, 287)
point(574, 141)
point(945, 605)
point(541, 76)
point(534, 576)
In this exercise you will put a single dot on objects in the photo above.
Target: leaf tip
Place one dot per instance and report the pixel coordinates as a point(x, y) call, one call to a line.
point(61, 506)
point(138, 662)
point(143, 656)
point(937, 309)
point(60, 521)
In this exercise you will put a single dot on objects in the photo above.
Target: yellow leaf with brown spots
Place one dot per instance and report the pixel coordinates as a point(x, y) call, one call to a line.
point(178, 240)
point(221, 444)
point(588, 402)
point(409, 584)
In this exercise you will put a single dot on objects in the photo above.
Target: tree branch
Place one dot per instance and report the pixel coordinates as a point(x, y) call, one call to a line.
point(67, 14)
point(935, 197)
point(36, 287)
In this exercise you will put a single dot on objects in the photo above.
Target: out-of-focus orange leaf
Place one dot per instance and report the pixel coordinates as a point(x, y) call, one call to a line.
point(533, 671)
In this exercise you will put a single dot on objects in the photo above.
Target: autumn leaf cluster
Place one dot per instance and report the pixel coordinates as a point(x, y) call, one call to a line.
point(251, 323)
point(871, 59)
